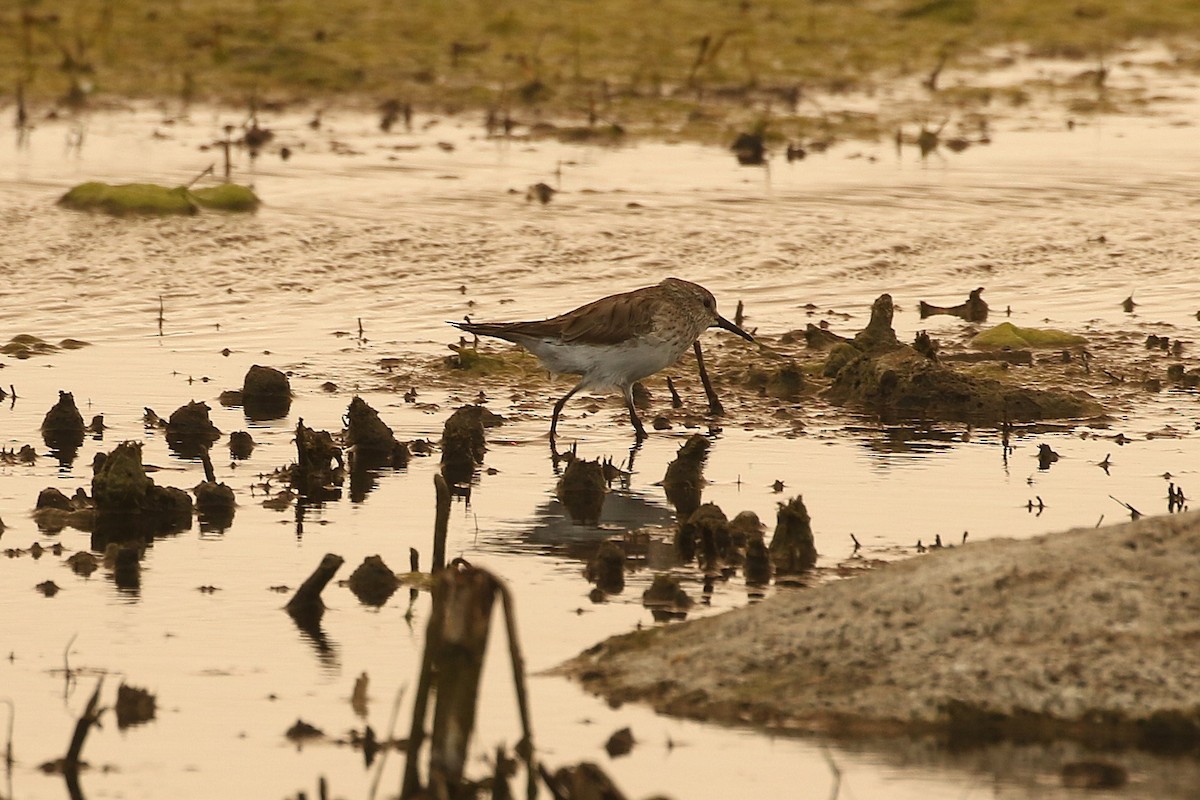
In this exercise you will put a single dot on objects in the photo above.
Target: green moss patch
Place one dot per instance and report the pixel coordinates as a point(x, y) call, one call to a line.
point(150, 198)
point(227, 197)
point(1008, 335)
point(129, 198)
point(473, 361)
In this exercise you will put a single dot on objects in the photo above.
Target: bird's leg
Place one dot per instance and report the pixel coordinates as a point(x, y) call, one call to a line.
point(714, 403)
point(633, 415)
point(558, 407)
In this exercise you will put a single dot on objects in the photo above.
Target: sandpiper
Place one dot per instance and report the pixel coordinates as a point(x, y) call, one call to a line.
point(616, 340)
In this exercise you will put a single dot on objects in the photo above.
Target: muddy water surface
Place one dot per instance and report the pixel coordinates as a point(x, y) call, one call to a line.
point(402, 232)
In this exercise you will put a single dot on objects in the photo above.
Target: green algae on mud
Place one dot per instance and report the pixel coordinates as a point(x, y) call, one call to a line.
point(26, 345)
point(1008, 335)
point(513, 362)
point(150, 198)
point(226, 197)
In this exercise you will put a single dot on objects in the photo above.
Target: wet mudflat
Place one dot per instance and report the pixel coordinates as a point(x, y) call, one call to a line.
point(398, 234)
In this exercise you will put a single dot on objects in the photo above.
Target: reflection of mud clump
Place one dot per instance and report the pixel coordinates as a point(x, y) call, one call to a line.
point(189, 430)
point(895, 381)
point(241, 445)
point(134, 706)
point(757, 569)
point(370, 442)
point(62, 427)
point(215, 505)
point(792, 548)
point(582, 489)
point(743, 529)
point(666, 598)
point(83, 563)
point(463, 442)
point(684, 480)
point(126, 565)
point(373, 582)
point(607, 569)
point(706, 531)
point(266, 393)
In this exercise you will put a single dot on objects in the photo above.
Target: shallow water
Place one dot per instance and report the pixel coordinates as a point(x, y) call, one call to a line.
point(384, 230)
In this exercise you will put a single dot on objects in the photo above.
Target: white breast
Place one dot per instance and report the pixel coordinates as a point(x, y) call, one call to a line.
point(605, 366)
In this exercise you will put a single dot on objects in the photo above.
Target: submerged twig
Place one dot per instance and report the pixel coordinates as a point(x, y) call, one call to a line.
point(525, 747)
point(1133, 512)
point(209, 170)
point(391, 737)
point(836, 789)
point(69, 675)
point(8, 746)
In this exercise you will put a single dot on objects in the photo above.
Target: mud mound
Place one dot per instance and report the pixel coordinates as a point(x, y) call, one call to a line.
point(1085, 634)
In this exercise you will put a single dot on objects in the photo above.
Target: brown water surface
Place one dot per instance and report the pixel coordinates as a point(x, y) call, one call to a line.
point(1058, 224)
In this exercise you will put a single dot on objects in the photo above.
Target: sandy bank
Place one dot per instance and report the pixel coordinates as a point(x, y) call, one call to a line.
point(1090, 633)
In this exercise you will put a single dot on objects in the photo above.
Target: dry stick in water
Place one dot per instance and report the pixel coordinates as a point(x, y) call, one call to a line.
point(209, 170)
point(70, 764)
point(391, 737)
point(306, 602)
point(411, 785)
point(441, 523)
point(525, 746)
point(466, 598)
point(8, 756)
point(455, 642)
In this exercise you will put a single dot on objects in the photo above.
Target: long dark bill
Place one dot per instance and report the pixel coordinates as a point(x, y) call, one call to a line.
point(729, 326)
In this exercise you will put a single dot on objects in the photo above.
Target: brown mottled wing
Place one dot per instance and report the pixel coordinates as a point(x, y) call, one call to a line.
point(609, 320)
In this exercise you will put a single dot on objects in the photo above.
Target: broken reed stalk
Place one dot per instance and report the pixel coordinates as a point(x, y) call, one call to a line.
point(455, 643)
point(411, 785)
point(209, 170)
point(70, 763)
point(441, 523)
point(391, 737)
point(210, 474)
point(836, 788)
point(306, 602)
point(466, 606)
point(525, 746)
point(714, 403)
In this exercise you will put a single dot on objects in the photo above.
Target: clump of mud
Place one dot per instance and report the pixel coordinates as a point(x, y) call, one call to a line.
point(369, 441)
point(464, 443)
point(266, 393)
point(62, 427)
point(190, 431)
point(684, 479)
point(582, 489)
point(373, 582)
point(893, 380)
point(1003, 639)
